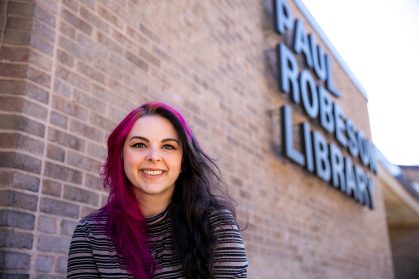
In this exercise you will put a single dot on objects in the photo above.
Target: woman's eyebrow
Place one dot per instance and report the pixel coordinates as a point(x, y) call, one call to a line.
point(146, 140)
point(171, 139)
point(138, 137)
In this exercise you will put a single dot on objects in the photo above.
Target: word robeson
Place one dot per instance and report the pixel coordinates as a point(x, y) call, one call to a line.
point(324, 160)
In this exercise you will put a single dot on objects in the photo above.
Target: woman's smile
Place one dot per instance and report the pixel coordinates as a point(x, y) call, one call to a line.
point(152, 174)
point(152, 156)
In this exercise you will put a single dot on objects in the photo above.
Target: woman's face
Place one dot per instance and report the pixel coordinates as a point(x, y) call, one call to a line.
point(152, 156)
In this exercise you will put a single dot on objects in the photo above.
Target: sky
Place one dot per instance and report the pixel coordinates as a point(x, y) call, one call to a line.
point(379, 41)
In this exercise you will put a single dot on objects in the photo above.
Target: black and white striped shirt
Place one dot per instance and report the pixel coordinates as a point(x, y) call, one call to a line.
point(93, 255)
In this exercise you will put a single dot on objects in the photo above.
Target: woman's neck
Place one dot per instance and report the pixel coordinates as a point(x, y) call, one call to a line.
point(151, 205)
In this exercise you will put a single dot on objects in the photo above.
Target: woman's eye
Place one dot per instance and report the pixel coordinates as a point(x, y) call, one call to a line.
point(139, 144)
point(168, 146)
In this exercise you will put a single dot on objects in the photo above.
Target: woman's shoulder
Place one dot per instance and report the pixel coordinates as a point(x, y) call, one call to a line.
point(220, 217)
point(94, 221)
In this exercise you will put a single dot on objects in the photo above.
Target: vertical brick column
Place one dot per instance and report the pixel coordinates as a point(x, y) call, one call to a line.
point(50, 146)
point(26, 62)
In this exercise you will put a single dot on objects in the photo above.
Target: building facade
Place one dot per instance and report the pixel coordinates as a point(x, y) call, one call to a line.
point(70, 70)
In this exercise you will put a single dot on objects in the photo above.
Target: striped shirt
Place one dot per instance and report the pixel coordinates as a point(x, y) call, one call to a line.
point(93, 254)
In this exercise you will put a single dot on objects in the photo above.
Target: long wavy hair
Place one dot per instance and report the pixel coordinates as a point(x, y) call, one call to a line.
point(198, 190)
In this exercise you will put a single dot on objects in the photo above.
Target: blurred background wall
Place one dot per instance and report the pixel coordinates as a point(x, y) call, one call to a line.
point(71, 70)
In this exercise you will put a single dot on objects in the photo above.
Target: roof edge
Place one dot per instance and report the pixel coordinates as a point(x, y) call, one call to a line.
point(330, 46)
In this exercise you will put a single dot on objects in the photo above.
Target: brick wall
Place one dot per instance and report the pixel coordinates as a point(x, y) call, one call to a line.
point(405, 249)
point(71, 70)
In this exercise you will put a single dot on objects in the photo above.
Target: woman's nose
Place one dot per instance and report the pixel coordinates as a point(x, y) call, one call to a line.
point(154, 155)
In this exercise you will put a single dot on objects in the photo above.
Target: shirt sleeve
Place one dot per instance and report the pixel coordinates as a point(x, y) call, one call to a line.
point(229, 256)
point(81, 263)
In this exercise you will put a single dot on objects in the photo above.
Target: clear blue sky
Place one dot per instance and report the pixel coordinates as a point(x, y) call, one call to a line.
point(379, 41)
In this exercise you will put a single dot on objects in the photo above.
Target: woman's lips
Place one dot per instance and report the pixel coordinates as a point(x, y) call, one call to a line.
point(152, 174)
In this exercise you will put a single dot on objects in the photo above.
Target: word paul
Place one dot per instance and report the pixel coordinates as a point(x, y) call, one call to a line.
point(323, 159)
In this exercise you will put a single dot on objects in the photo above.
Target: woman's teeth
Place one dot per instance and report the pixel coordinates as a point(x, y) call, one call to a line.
point(152, 172)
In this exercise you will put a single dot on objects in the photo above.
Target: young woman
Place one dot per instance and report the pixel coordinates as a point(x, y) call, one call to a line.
point(166, 216)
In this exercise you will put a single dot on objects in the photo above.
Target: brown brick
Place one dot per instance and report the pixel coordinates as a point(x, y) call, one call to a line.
point(102, 122)
point(104, 199)
point(63, 173)
point(35, 92)
point(89, 101)
point(82, 162)
point(149, 57)
point(44, 31)
point(51, 188)
point(104, 13)
point(13, 218)
point(50, 243)
point(61, 266)
point(39, 77)
point(44, 263)
point(44, 16)
point(75, 49)
point(86, 210)
point(136, 61)
point(86, 131)
point(90, 72)
point(67, 30)
point(97, 151)
point(55, 153)
point(93, 19)
point(14, 54)
point(41, 60)
point(67, 227)
point(18, 104)
point(15, 179)
point(14, 239)
point(71, 4)
point(22, 9)
point(65, 139)
point(109, 43)
point(20, 161)
point(116, 114)
point(94, 182)
point(47, 224)
point(122, 63)
point(68, 107)
point(42, 45)
point(93, 46)
point(103, 94)
point(19, 23)
point(244, 194)
point(106, 67)
point(51, 5)
point(21, 123)
point(236, 181)
point(136, 36)
point(76, 22)
point(60, 208)
point(62, 88)
point(18, 200)
point(72, 78)
point(21, 142)
point(13, 70)
point(65, 58)
point(16, 87)
point(3, 7)
point(16, 38)
point(123, 91)
point(122, 39)
point(149, 34)
point(200, 122)
point(161, 54)
point(58, 119)
point(14, 260)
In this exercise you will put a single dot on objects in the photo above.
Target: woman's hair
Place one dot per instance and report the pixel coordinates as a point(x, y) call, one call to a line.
point(198, 190)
